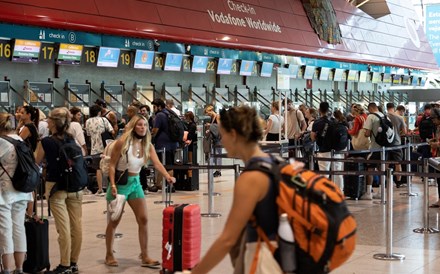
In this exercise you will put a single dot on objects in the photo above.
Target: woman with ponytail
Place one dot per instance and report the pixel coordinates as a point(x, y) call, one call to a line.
point(129, 154)
point(29, 120)
point(65, 206)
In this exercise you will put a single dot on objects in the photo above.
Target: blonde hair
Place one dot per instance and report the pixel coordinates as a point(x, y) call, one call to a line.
point(61, 118)
point(129, 134)
point(5, 122)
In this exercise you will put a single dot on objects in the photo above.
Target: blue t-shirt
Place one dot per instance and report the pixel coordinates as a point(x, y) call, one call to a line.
point(162, 138)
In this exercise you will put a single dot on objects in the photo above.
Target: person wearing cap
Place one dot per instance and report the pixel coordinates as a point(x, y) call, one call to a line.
point(434, 143)
point(109, 115)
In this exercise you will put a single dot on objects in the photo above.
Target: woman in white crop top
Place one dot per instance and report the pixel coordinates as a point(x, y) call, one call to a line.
point(134, 146)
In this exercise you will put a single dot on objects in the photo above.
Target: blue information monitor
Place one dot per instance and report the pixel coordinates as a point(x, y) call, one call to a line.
point(144, 59)
point(266, 69)
point(199, 64)
point(246, 67)
point(224, 66)
point(108, 57)
point(173, 62)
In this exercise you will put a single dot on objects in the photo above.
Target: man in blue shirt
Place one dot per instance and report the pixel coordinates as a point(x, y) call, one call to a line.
point(162, 140)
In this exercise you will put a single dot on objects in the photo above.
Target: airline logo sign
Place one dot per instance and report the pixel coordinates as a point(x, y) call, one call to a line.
point(246, 21)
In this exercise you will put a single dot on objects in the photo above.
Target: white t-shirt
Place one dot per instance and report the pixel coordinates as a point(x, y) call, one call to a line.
point(77, 132)
point(277, 122)
point(372, 123)
point(8, 159)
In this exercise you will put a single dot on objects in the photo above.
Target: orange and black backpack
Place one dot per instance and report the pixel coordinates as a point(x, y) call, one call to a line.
point(324, 229)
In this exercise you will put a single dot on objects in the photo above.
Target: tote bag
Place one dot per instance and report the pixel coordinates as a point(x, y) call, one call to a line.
point(359, 141)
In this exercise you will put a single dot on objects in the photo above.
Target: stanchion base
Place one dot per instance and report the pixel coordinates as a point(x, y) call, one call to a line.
point(389, 257)
point(102, 236)
point(380, 202)
point(213, 194)
point(212, 215)
point(163, 202)
point(409, 194)
point(424, 230)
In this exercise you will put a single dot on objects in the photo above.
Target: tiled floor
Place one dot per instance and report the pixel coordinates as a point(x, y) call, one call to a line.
point(422, 251)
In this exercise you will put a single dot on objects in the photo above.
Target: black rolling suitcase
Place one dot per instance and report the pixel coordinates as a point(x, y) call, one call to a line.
point(37, 240)
point(186, 179)
point(354, 185)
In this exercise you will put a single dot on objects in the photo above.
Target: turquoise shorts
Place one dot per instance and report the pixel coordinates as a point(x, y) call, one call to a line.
point(132, 190)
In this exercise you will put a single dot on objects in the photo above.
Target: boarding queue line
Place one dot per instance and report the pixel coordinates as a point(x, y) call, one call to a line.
point(385, 174)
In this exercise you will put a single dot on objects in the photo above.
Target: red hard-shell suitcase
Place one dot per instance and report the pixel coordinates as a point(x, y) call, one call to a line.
point(181, 240)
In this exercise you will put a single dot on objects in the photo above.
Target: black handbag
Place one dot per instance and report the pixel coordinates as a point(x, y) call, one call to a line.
point(106, 135)
point(121, 177)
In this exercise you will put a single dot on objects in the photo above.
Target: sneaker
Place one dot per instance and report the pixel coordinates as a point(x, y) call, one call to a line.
point(217, 174)
point(146, 192)
point(100, 193)
point(377, 196)
point(17, 272)
point(115, 207)
point(74, 268)
point(367, 196)
point(153, 189)
point(61, 269)
point(86, 191)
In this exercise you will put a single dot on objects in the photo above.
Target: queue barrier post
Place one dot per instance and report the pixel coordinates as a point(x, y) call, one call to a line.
point(210, 175)
point(426, 229)
point(408, 168)
point(389, 255)
point(210, 194)
point(164, 185)
point(382, 178)
point(102, 235)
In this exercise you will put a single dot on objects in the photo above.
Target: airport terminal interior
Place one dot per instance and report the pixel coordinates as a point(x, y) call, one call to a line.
point(229, 53)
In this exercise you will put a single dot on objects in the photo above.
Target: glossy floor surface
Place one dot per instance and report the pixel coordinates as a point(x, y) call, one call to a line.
point(422, 251)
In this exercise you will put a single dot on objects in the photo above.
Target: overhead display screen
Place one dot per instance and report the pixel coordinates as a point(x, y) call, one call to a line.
point(26, 51)
point(144, 59)
point(309, 72)
point(353, 76)
point(246, 67)
point(363, 76)
point(173, 62)
point(293, 71)
point(323, 76)
point(199, 64)
point(338, 75)
point(69, 54)
point(108, 57)
point(224, 66)
point(377, 77)
point(266, 69)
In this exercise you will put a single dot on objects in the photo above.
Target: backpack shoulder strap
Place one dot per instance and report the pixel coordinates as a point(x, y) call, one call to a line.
point(12, 141)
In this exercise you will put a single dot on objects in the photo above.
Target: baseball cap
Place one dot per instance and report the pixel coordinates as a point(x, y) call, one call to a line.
point(101, 102)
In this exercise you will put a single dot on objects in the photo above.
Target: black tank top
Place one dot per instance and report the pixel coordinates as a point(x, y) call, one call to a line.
point(266, 210)
point(32, 139)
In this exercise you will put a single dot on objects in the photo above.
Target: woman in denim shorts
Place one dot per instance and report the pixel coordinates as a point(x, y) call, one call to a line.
point(12, 203)
point(129, 154)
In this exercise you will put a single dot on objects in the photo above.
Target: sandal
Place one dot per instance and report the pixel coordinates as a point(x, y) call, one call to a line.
point(112, 263)
point(434, 206)
point(150, 263)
